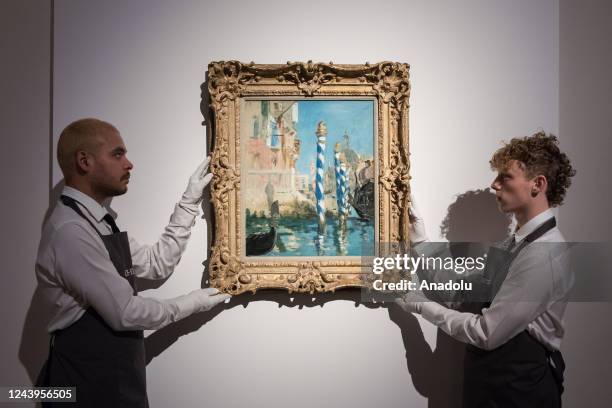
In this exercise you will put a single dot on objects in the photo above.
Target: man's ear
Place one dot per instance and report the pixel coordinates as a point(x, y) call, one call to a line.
point(540, 184)
point(83, 162)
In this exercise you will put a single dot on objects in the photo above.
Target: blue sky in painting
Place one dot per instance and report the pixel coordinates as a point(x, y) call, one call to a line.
point(354, 116)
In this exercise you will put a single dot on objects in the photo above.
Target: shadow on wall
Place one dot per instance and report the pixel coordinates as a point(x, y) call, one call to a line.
point(34, 344)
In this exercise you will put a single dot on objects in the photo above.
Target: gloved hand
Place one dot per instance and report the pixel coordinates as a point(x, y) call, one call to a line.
point(199, 300)
point(417, 226)
point(208, 298)
point(411, 302)
point(195, 188)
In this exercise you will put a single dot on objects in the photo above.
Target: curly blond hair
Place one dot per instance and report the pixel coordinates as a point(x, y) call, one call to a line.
point(538, 154)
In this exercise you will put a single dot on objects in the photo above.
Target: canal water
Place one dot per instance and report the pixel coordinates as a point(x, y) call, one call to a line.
point(300, 237)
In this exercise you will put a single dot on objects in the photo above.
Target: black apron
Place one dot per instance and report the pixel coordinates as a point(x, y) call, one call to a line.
point(107, 367)
point(520, 373)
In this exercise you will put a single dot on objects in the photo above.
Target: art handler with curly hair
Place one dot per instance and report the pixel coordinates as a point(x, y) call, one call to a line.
point(512, 355)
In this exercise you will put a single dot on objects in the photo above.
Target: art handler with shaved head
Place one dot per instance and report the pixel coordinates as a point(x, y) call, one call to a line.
point(512, 355)
point(86, 269)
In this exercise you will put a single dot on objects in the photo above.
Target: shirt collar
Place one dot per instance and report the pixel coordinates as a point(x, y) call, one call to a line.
point(532, 224)
point(95, 210)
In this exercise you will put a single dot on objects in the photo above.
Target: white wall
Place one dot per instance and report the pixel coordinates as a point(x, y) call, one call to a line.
point(481, 71)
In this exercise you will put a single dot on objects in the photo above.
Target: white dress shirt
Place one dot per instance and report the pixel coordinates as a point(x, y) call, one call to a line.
point(533, 296)
point(74, 270)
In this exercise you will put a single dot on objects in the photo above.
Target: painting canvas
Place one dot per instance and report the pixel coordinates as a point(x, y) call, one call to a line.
point(308, 178)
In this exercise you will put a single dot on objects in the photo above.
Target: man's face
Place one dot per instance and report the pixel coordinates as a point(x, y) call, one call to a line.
point(111, 173)
point(512, 188)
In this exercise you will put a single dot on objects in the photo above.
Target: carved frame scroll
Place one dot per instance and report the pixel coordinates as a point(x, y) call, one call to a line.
point(227, 82)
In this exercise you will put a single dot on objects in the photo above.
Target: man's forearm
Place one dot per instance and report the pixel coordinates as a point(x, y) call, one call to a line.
point(158, 261)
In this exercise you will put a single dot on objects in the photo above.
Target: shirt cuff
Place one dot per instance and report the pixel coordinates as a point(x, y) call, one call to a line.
point(185, 214)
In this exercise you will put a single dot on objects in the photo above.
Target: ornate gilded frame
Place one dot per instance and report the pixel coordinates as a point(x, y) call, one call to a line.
point(227, 82)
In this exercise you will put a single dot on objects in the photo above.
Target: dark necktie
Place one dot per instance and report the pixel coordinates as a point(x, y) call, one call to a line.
point(111, 222)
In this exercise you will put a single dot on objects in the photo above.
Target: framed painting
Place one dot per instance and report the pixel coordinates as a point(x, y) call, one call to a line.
point(310, 166)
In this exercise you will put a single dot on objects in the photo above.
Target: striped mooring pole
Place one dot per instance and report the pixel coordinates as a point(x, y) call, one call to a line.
point(319, 192)
point(338, 178)
point(344, 186)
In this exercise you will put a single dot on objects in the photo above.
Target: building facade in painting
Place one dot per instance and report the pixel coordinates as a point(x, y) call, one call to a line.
point(273, 148)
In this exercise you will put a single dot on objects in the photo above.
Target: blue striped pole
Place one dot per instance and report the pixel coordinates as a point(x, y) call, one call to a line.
point(347, 189)
point(338, 177)
point(343, 189)
point(319, 192)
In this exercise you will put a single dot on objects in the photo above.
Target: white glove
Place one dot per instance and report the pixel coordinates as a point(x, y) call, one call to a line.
point(208, 298)
point(417, 226)
point(195, 188)
point(411, 302)
point(199, 300)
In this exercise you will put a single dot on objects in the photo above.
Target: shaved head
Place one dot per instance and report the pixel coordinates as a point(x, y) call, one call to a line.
point(82, 135)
